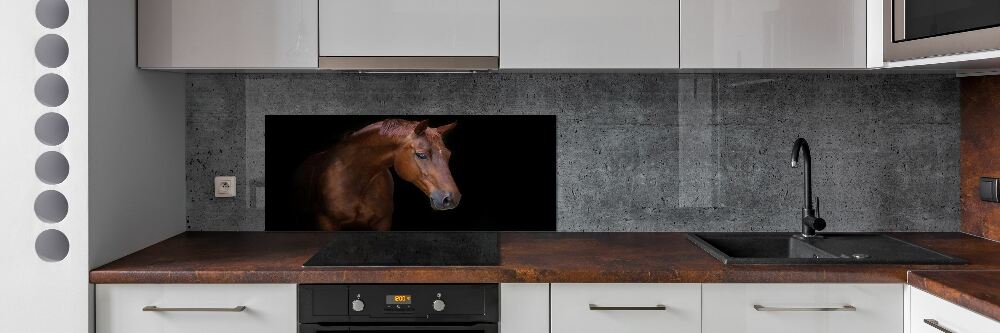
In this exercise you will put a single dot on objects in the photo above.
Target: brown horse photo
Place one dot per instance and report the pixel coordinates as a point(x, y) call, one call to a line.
point(349, 186)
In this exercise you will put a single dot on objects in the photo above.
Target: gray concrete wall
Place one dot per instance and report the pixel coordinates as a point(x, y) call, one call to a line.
point(637, 152)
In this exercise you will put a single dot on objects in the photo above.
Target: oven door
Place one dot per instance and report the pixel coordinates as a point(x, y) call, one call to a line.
point(916, 29)
point(472, 328)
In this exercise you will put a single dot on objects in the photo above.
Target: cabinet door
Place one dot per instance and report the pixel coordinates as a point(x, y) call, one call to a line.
point(773, 34)
point(524, 307)
point(270, 308)
point(927, 310)
point(426, 28)
point(582, 34)
point(802, 308)
point(227, 34)
point(626, 307)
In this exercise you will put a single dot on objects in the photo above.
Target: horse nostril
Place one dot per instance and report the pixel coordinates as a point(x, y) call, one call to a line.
point(442, 200)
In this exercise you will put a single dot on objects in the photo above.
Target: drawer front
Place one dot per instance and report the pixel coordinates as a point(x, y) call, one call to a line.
point(269, 308)
point(633, 308)
point(803, 308)
point(946, 315)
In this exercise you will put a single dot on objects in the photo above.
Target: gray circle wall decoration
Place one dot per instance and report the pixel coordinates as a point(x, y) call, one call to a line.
point(51, 90)
point(51, 128)
point(52, 167)
point(51, 206)
point(52, 13)
point(52, 245)
point(51, 51)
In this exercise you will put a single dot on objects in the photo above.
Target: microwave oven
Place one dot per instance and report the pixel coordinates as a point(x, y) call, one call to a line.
point(915, 29)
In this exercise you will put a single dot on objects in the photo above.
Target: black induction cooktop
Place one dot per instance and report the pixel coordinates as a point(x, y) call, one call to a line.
point(409, 249)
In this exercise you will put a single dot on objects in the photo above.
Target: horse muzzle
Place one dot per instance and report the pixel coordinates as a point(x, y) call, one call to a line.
point(441, 200)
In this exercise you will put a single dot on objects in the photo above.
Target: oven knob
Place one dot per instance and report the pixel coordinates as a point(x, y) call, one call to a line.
point(438, 305)
point(358, 305)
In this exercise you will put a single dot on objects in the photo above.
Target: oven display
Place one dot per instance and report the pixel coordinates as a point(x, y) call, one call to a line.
point(398, 299)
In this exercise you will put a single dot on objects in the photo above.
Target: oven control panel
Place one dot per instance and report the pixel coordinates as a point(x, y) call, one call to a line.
point(418, 299)
point(379, 303)
point(399, 303)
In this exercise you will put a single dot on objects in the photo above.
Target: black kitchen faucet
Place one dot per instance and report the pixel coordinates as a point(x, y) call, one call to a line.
point(810, 222)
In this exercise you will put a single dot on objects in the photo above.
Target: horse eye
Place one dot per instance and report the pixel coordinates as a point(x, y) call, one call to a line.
point(422, 156)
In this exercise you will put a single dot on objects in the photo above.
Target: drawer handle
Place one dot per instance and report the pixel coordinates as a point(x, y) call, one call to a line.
point(769, 308)
point(159, 309)
point(934, 323)
point(595, 307)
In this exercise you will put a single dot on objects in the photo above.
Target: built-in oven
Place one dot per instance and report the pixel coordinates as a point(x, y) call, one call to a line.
point(384, 308)
point(916, 29)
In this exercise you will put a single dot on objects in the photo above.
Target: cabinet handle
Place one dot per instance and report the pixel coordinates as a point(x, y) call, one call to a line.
point(159, 309)
point(768, 308)
point(595, 307)
point(934, 323)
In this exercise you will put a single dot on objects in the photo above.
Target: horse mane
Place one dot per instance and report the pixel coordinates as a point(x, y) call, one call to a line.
point(395, 128)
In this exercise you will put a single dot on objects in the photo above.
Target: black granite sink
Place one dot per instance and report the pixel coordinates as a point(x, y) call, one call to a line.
point(831, 248)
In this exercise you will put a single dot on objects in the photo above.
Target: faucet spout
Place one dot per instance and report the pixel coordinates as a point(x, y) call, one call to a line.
point(810, 222)
point(802, 146)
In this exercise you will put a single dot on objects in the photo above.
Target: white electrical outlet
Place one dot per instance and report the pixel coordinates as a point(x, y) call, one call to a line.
point(225, 186)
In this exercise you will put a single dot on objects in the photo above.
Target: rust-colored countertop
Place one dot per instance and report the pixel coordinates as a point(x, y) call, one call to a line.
point(277, 257)
point(978, 291)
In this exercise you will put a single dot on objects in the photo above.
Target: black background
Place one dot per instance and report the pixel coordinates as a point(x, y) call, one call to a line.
point(504, 166)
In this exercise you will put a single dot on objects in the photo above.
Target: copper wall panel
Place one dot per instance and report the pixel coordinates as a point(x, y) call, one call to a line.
point(980, 153)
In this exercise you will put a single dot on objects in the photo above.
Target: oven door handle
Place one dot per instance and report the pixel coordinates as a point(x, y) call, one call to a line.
point(484, 328)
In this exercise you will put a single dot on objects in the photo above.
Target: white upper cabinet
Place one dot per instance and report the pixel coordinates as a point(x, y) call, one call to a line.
point(522, 34)
point(589, 34)
point(227, 34)
point(778, 34)
point(409, 28)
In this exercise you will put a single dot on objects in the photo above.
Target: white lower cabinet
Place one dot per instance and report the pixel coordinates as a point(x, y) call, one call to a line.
point(524, 307)
point(569, 308)
point(930, 314)
point(627, 307)
point(802, 308)
point(187, 308)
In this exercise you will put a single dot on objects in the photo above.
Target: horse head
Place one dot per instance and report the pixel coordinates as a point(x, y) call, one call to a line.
point(422, 159)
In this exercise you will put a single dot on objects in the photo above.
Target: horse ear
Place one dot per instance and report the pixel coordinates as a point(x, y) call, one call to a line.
point(421, 127)
point(446, 128)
